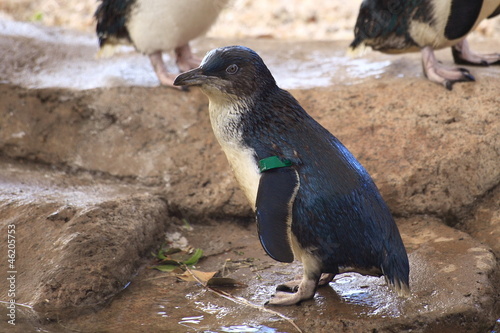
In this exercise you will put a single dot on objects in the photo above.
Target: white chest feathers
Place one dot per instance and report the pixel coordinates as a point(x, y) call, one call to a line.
point(224, 118)
point(162, 25)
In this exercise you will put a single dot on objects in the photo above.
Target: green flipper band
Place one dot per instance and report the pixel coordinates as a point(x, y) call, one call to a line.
point(273, 162)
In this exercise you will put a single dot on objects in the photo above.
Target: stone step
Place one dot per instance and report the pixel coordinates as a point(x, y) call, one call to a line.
point(78, 241)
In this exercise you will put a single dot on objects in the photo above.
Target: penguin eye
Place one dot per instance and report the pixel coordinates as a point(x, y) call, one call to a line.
point(232, 69)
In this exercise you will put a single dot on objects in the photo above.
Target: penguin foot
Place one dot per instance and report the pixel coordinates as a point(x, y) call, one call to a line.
point(166, 78)
point(289, 287)
point(293, 286)
point(463, 55)
point(304, 291)
point(185, 59)
point(441, 74)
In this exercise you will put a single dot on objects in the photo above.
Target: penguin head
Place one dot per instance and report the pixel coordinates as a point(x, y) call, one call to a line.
point(235, 71)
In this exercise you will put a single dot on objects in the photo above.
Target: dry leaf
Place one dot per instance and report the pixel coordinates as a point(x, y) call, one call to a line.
point(225, 282)
point(199, 276)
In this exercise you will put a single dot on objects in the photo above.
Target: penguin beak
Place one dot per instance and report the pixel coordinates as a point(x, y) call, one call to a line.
point(193, 77)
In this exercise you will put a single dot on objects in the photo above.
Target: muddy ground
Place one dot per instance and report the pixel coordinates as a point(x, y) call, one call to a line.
point(98, 164)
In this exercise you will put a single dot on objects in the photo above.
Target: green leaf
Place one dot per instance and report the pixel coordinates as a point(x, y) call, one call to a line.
point(169, 261)
point(163, 253)
point(198, 253)
point(165, 268)
point(160, 255)
point(37, 17)
point(187, 225)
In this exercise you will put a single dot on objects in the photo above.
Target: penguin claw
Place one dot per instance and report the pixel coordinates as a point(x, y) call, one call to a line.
point(460, 75)
point(468, 76)
point(448, 84)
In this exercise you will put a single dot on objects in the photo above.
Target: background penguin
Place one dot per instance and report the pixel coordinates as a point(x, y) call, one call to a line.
point(313, 200)
point(156, 26)
point(395, 26)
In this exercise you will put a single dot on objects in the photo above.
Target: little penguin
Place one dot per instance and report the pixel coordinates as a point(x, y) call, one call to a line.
point(397, 26)
point(156, 26)
point(313, 200)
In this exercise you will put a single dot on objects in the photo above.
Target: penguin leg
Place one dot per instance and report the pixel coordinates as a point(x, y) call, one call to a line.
point(462, 54)
point(185, 59)
point(166, 78)
point(440, 74)
point(306, 288)
point(325, 279)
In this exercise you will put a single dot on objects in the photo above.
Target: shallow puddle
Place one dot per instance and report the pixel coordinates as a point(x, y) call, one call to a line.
point(158, 302)
point(72, 62)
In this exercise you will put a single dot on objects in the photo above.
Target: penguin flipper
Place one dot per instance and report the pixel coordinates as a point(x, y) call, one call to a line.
point(275, 196)
point(462, 17)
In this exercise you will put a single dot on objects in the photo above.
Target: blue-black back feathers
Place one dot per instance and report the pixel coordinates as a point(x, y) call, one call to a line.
point(338, 212)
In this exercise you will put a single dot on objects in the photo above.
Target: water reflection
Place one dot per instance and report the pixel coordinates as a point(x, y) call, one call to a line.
point(213, 309)
point(371, 293)
point(191, 320)
point(247, 329)
point(322, 68)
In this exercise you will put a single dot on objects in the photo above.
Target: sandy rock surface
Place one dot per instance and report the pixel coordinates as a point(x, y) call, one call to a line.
point(281, 19)
point(78, 241)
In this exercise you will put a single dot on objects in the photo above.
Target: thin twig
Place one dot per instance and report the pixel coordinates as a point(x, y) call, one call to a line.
point(18, 304)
